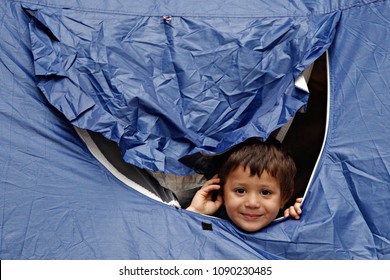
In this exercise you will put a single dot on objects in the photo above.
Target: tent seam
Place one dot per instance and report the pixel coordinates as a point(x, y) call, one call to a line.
point(315, 13)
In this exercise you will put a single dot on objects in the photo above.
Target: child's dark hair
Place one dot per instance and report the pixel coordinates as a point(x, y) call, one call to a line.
point(262, 156)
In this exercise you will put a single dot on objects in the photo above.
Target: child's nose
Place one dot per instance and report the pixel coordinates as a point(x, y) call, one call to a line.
point(252, 201)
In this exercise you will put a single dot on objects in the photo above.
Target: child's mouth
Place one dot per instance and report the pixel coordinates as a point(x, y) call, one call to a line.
point(251, 217)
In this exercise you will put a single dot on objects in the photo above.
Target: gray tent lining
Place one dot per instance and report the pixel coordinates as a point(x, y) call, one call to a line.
point(108, 154)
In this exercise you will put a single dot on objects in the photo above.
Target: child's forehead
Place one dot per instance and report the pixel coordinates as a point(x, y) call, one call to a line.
point(243, 174)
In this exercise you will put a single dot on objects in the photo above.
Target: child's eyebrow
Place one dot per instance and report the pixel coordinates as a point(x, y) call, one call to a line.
point(269, 186)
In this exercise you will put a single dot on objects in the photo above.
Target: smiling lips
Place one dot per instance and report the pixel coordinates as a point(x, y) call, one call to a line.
point(251, 217)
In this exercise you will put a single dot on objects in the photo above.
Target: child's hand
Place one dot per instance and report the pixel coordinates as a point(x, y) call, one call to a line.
point(203, 202)
point(294, 211)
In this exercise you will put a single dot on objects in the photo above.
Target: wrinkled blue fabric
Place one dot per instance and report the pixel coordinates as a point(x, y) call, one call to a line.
point(164, 89)
point(102, 65)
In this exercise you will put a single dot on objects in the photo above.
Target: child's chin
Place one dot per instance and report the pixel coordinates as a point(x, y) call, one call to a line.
point(251, 228)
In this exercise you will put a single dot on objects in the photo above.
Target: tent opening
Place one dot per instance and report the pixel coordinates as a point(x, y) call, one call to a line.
point(305, 136)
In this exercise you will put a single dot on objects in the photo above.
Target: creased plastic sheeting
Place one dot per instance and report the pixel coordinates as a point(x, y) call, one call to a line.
point(164, 89)
point(58, 202)
point(358, 151)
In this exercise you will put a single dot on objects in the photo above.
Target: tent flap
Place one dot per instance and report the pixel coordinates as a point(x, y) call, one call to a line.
point(164, 89)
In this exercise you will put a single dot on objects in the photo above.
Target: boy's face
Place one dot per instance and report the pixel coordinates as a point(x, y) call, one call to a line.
point(251, 202)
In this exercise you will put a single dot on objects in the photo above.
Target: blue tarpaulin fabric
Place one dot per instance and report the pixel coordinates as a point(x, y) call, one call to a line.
point(165, 81)
point(166, 88)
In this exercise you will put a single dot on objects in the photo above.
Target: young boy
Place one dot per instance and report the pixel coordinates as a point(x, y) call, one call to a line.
point(253, 183)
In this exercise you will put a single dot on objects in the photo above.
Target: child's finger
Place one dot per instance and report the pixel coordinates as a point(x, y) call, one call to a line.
point(209, 188)
point(213, 181)
point(291, 212)
point(219, 200)
point(286, 213)
point(297, 208)
point(297, 205)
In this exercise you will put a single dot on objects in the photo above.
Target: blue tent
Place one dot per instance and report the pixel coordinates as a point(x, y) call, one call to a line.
point(183, 78)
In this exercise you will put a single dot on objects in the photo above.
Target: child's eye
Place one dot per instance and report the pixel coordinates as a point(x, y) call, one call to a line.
point(240, 191)
point(265, 192)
